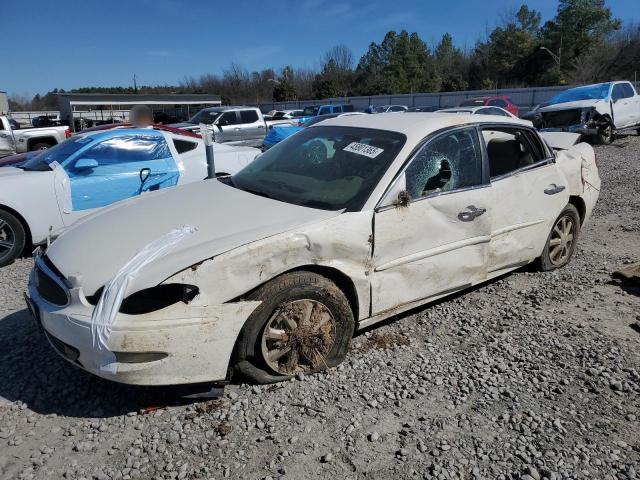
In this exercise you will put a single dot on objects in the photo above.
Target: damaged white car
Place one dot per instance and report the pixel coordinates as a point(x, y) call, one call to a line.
point(268, 273)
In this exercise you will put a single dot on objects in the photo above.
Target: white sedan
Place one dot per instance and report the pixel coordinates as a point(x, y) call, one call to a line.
point(269, 272)
point(51, 190)
point(483, 110)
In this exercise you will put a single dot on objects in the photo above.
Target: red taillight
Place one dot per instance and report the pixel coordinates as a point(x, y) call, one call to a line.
point(67, 132)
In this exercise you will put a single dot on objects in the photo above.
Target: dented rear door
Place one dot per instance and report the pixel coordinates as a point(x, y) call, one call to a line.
point(528, 193)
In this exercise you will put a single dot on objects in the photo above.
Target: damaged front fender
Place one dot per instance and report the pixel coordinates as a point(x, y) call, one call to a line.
point(341, 243)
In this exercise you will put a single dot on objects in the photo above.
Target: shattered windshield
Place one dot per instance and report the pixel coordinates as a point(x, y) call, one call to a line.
point(590, 92)
point(59, 153)
point(326, 167)
point(205, 116)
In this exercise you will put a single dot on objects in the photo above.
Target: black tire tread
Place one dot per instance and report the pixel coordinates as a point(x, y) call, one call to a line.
point(286, 284)
point(21, 237)
point(544, 263)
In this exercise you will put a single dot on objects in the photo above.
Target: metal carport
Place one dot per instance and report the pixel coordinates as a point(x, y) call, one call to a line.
point(69, 102)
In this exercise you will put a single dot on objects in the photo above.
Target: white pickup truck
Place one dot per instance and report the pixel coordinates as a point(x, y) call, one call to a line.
point(29, 139)
point(597, 111)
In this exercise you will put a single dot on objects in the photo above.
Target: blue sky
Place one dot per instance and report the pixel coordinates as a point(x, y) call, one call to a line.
point(73, 43)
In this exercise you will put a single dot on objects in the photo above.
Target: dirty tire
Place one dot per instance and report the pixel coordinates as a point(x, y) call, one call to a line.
point(606, 136)
point(40, 146)
point(548, 261)
point(12, 238)
point(298, 289)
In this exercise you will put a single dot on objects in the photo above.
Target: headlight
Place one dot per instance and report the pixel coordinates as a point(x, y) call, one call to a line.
point(154, 298)
point(158, 297)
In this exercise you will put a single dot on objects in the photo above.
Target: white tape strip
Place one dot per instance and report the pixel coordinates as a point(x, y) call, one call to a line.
point(111, 299)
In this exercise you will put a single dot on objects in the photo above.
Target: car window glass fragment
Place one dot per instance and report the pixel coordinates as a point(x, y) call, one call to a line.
point(449, 162)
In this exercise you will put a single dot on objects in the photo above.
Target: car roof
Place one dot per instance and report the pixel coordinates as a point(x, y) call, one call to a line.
point(468, 108)
point(417, 125)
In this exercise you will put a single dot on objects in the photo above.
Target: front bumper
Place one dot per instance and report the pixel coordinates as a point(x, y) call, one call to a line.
point(179, 344)
point(582, 128)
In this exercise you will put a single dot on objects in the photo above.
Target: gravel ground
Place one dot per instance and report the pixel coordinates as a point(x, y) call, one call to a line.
point(532, 376)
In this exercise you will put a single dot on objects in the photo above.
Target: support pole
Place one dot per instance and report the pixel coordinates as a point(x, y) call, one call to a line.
point(206, 132)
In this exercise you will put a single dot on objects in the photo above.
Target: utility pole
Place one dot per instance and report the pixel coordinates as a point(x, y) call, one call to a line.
point(135, 84)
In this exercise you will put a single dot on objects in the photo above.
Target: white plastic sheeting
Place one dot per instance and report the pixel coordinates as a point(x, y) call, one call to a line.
point(110, 301)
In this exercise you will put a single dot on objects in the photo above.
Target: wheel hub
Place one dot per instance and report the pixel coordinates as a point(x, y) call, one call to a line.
point(7, 238)
point(561, 240)
point(298, 337)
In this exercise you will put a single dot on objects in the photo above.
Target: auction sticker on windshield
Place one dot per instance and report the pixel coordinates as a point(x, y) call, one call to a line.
point(363, 149)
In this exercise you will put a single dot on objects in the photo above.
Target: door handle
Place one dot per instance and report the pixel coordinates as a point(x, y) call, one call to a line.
point(260, 126)
point(471, 213)
point(237, 129)
point(553, 189)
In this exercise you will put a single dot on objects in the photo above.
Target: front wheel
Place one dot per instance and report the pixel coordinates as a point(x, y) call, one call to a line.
point(304, 324)
point(12, 238)
point(606, 135)
point(561, 243)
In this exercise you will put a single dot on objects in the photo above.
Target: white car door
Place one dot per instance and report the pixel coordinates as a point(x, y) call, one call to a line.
point(529, 192)
point(624, 105)
point(438, 243)
point(228, 128)
point(7, 144)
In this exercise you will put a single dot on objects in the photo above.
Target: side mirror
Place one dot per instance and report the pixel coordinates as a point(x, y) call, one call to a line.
point(397, 194)
point(86, 164)
point(144, 174)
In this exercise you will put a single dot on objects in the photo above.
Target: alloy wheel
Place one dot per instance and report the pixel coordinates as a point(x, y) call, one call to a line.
point(298, 337)
point(7, 238)
point(561, 241)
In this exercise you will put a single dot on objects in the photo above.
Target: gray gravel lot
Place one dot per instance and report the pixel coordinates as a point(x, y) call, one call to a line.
point(532, 376)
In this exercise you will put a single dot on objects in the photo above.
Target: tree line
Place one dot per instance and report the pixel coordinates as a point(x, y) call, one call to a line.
point(583, 43)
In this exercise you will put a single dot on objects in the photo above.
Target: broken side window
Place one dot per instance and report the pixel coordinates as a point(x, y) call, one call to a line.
point(449, 162)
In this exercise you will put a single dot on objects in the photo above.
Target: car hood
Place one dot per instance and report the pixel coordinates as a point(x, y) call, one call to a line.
point(568, 105)
point(13, 172)
point(97, 247)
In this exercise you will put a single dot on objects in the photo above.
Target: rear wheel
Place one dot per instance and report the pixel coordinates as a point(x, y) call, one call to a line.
point(12, 238)
point(304, 324)
point(561, 242)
